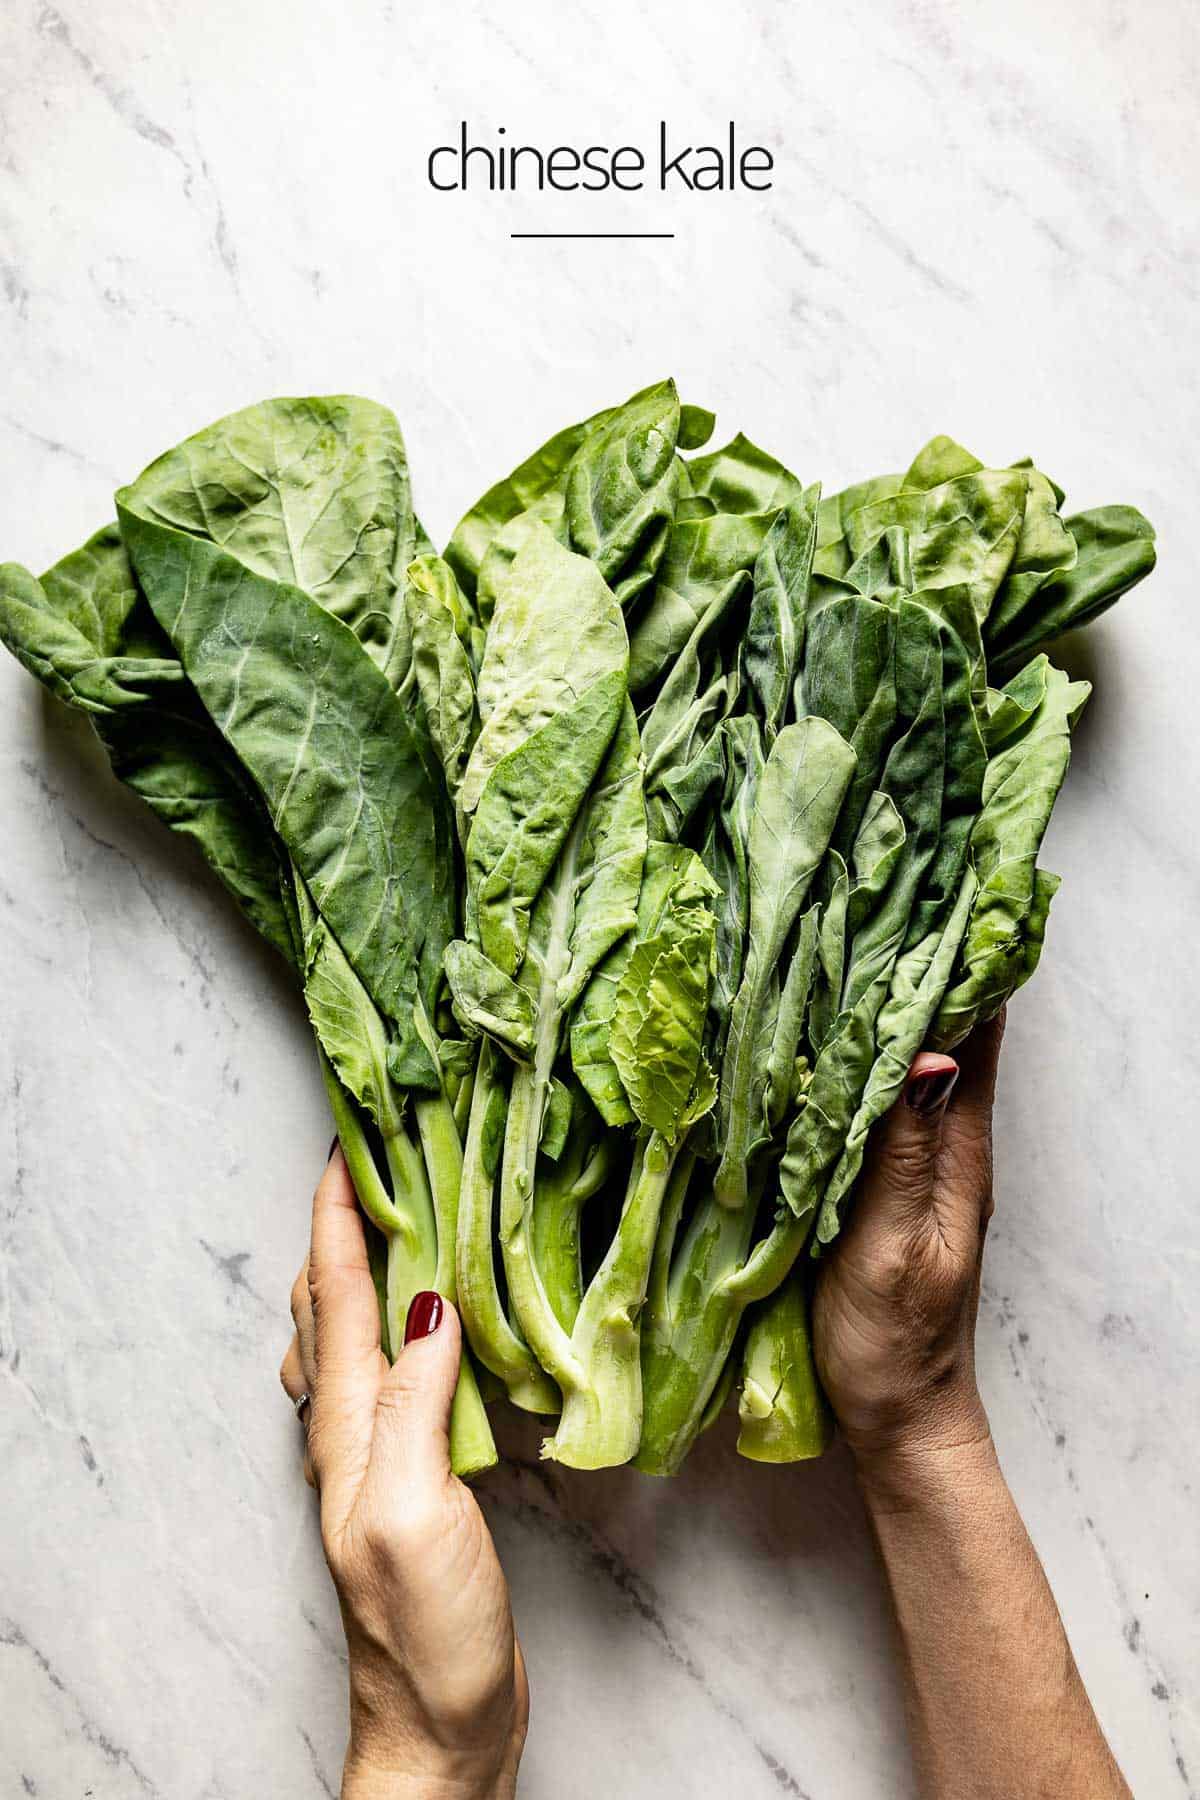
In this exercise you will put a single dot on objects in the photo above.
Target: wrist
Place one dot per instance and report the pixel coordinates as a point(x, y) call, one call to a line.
point(369, 1779)
point(928, 1471)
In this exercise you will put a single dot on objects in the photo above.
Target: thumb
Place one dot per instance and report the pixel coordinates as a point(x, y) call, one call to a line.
point(412, 1426)
point(903, 1151)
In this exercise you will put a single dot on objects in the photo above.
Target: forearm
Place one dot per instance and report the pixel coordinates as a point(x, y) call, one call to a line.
point(996, 1706)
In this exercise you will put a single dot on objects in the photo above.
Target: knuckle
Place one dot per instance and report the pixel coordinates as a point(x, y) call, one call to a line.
point(908, 1167)
point(329, 1288)
point(299, 1297)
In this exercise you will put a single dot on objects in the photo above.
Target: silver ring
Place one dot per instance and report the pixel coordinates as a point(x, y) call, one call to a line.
point(300, 1404)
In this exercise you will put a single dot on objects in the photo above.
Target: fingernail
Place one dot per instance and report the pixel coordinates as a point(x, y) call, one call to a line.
point(927, 1094)
point(424, 1316)
point(332, 1148)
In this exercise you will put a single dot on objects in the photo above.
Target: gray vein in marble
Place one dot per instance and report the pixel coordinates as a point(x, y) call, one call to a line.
point(57, 448)
point(1025, 1369)
point(634, 1591)
point(322, 1780)
point(114, 1754)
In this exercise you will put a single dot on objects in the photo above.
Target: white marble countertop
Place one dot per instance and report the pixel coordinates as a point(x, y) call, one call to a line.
point(983, 223)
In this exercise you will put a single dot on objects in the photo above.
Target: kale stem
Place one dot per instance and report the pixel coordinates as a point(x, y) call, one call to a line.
point(550, 1343)
point(601, 1420)
point(785, 1416)
point(492, 1337)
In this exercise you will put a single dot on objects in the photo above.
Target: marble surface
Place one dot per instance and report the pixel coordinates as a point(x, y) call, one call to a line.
point(984, 223)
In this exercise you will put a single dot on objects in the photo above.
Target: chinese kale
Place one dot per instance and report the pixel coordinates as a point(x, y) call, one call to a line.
point(625, 855)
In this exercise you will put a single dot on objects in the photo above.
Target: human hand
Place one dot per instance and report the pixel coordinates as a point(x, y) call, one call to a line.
point(438, 1697)
point(895, 1307)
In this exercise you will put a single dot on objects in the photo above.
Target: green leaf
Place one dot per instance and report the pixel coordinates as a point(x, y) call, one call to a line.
point(774, 637)
point(551, 690)
point(780, 1089)
point(440, 629)
point(529, 482)
point(706, 569)
point(940, 460)
point(658, 1031)
point(556, 1122)
point(347, 1024)
point(486, 999)
point(1008, 920)
point(962, 534)
point(1045, 546)
point(741, 478)
point(800, 794)
point(849, 678)
point(311, 493)
point(918, 984)
point(607, 877)
point(621, 487)
point(332, 750)
point(1114, 551)
point(726, 856)
point(675, 892)
point(88, 634)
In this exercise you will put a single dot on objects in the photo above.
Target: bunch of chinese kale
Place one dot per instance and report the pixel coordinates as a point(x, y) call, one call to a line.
point(626, 854)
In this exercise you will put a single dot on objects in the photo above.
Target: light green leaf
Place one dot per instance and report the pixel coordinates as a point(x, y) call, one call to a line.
point(658, 1031)
point(439, 625)
point(313, 493)
point(486, 999)
point(477, 530)
point(621, 487)
point(675, 891)
point(551, 690)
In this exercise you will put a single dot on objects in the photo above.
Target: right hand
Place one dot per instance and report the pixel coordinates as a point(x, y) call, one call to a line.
point(438, 1697)
point(895, 1307)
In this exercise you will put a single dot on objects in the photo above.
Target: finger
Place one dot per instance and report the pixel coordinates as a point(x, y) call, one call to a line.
point(348, 1362)
point(412, 1424)
point(295, 1383)
point(344, 1306)
point(963, 1189)
point(898, 1175)
point(302, 1316)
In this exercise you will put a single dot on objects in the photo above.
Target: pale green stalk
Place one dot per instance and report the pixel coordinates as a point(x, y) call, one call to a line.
point(492, 1337)
point(601, 1419)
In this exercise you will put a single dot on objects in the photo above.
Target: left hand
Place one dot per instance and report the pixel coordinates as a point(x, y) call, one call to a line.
point(895, 1306)
point(438, 1697)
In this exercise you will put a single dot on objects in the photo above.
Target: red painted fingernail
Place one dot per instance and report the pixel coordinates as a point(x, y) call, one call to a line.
point(424, 1315)
point(927, 1094)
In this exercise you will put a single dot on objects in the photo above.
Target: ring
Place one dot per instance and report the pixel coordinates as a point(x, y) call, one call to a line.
point(300, 1404)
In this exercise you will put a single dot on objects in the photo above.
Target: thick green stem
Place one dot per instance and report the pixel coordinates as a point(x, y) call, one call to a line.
point(658, 1293)
point(556, 1245)
point(563, 1190)
point(601, 1419)
point(373, 1196)
point(472, 1447)
point(785, 1416)
point(419, 1228)
point(771, 1260)
point(534, 1313)
point(491, 1336)
point(689, 1332)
